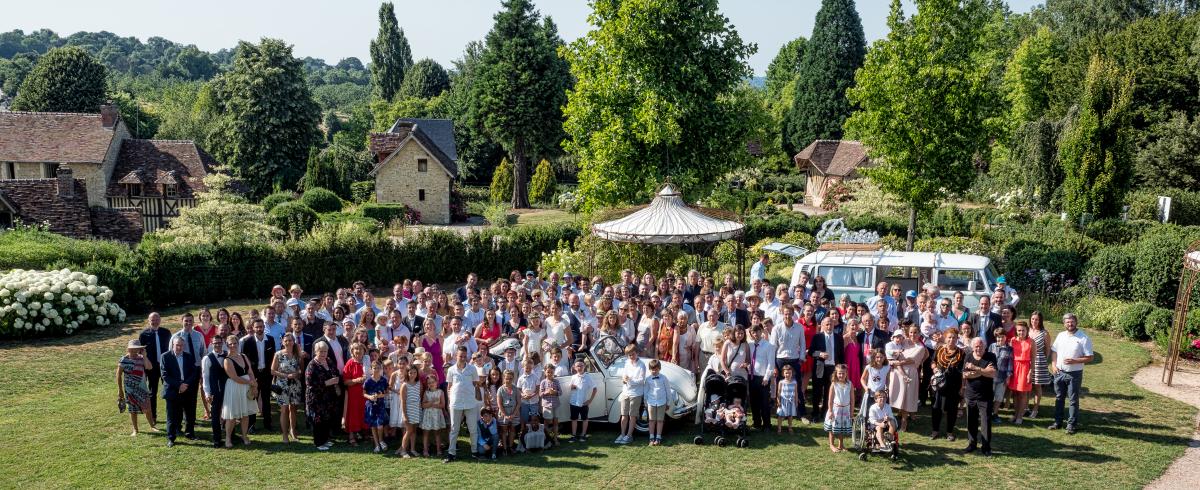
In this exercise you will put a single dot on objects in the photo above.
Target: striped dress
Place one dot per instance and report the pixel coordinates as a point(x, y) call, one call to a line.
point(787, 399)
point(1041, 365)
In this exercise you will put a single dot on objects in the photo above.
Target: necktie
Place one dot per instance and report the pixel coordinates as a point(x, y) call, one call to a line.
point(189, 342)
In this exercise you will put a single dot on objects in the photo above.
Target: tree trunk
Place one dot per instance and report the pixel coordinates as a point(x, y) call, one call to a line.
point(912, 226)
point(520, 194)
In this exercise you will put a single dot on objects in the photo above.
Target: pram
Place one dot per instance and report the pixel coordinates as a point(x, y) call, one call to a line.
point(720, 392)
point(864, 436)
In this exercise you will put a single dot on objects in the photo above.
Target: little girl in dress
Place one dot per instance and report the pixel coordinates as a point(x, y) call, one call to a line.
point(432, 419)
point(786, 398)
point(841, 398)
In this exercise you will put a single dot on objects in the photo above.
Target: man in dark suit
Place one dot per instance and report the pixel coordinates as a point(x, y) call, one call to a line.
point(259, 348)
point(871, 338)
point(984, 321)
point(179, 375)
point(826, 351)
point(157, 341)
point(312, 322)
point(214, 376)
point(414, 322)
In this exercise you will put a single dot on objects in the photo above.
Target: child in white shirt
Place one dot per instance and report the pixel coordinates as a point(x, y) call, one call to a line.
point(583, 390)
point(881, 416)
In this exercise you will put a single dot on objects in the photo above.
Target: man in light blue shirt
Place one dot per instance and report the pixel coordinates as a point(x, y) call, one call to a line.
point(759, 269)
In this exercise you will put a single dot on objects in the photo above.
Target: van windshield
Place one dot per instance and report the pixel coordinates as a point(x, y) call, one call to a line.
point(989, 272)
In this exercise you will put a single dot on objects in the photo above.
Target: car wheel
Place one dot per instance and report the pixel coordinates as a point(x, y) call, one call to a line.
point(699, 440)
point(642, 424)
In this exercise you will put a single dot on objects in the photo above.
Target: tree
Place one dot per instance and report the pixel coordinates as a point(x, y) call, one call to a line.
point(390, 55)
point(63, 80)
point(194, 64)
point(350, 64)
point(336, 167)
point(1028, 75)
point(780, 93)
point(1035, 152)
point(1173, 159)
point(1095, 148)
point(332, 125)
point(424, 80)
point(13, 71)
point(924, 98)
point(785, 66)
point(543, 184)
point(478, 153)
point(651, 99)
point(831, 56)
point(221, 216)
point(520, 90)
point(269, 119)
point(501, 189)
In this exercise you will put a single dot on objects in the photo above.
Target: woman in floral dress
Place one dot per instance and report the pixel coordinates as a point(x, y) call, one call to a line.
point(133, 395)
point(286, 369)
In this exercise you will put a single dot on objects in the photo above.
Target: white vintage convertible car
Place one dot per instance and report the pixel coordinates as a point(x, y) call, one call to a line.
point(603, 364)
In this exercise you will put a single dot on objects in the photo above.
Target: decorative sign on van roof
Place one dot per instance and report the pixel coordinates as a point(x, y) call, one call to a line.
point(834, 231)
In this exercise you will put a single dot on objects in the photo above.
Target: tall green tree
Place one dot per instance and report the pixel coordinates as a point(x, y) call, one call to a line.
point(1096, 148)
point(391, 56)
point(424, 80)
point(269, 119)
point(1028, 76)
point(519, 90)
point(478, 153)
point(781, 91)
point(831, 56)
point(63, 80)
point(925, 98)
point(652, 98)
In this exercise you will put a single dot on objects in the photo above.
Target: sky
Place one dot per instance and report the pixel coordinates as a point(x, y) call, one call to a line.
point(438, 29)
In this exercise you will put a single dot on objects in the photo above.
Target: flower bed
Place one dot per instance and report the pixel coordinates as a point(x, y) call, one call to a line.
point(36, 303)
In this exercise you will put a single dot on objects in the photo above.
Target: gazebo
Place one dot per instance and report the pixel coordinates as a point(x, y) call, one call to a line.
point(1183, 300)
point(668, 220)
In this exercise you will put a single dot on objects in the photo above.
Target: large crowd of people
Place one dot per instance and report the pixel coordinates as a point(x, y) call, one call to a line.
point(417, 368)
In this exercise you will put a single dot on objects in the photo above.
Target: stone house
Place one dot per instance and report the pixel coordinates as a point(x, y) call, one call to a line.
point(827, 163)
point(416, 163)
point(155, 177)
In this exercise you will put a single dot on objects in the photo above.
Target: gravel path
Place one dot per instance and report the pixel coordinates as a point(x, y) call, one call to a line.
point(1185, 471)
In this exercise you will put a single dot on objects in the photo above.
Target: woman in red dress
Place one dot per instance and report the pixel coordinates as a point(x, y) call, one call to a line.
point(808, 320)
point(1020, 382)
point(488, 332)
point(356, 404)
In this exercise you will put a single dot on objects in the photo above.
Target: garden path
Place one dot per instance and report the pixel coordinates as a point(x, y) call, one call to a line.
point(1185, 471)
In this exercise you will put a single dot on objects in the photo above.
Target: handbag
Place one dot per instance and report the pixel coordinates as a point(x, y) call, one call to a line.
point(938, 380)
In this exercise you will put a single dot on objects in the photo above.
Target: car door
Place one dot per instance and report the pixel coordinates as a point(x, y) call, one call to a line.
point(857, 281)
point(969, 281)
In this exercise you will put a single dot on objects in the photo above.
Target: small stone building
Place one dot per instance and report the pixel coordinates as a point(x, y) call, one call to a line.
point(827, 163)
point(61, 204)
point(416, 165)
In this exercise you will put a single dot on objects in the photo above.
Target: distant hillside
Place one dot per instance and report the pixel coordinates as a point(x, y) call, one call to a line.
point(758, 82)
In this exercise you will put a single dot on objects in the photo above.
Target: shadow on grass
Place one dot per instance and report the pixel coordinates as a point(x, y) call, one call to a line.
point(81, 337)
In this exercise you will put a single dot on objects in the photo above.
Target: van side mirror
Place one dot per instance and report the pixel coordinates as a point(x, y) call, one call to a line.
point(971, 285)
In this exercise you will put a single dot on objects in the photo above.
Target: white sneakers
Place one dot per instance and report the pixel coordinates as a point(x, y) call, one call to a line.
point(623, 439)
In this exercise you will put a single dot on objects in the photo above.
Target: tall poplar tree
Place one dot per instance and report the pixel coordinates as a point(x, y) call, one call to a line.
point(1096, 147)
point(837, 48)
point(391, 56)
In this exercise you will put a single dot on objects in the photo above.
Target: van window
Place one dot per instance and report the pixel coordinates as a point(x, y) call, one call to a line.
point(847, 277)
point(957, 280)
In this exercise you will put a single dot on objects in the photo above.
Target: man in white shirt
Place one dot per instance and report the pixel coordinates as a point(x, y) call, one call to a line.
point(881, 295)
point(473, 316)
point(1069, 352)
point(463, 387)
point(633, 379)
point(762, 376)
point(945, 318)
point(339, 347)
point(707, 334)
point(788, 339)
point(458, 338)
point(398, 297)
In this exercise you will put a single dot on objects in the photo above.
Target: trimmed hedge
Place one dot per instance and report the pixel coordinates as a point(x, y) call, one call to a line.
point(1155, 277)
point(1100, 313)
point(268, 203)
point(321, 200)
point(1109, 272)
point(384, 213)
point(1132, 322)
point(1024, 260)
point(294, 218)
point(34, 249)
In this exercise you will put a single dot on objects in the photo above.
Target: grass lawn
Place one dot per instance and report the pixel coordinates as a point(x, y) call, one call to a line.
point(59, 428)
point(543, 216)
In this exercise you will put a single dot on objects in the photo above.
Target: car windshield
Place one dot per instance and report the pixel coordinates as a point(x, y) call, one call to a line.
point(608, 351)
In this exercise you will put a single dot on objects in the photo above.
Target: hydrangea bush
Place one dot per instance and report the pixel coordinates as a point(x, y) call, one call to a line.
point(34, 303)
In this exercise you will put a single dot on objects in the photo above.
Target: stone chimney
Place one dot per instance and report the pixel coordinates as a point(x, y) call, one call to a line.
point(109, 115)
point(66, 182)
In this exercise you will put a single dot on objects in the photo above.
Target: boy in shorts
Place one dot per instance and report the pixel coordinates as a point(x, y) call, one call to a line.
point(881, 417)
point(583, 390)
point(528, 384)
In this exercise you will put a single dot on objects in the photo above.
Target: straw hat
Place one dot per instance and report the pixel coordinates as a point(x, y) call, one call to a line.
point(134, 344)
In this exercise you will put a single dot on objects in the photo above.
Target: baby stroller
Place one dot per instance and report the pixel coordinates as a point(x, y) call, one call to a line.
point(864, 436)
point(720, 392)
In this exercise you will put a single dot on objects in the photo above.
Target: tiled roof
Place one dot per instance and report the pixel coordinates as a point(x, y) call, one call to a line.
point(37, 201)
point(159, 161)
point(437, 135)
point(53, 137)
point(122, 224)
point(833, 157)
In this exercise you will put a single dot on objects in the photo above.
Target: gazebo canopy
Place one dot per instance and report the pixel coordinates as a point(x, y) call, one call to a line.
point(669, 221)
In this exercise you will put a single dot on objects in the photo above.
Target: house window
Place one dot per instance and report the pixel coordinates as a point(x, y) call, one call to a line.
point(8, 171)
point(133, 190)
point(49, 170)
point(422, 165)
point(170, 190)
point(420, 194)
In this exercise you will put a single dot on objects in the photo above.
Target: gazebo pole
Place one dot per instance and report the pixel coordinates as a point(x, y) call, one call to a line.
point(741, 261)
point(1187, 281)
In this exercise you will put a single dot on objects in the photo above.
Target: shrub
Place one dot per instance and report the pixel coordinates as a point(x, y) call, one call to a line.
point(363, 191)
point(502, 182)
point(294, 218)
point(321, 200)
point(30, 247)
point(498, 215)
point(1110, 271)
point(543, 184)
point(337, 219)
point(1099, 312)
point(953, 244)
point(1185, 206)
point(1116, 232)
point(387, 213)
point(37, 303)
point(1157, 262)
point(268, 203)
point(1132, 321)
point(1031, 266)
point(945, 221)
point(1158, 325)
